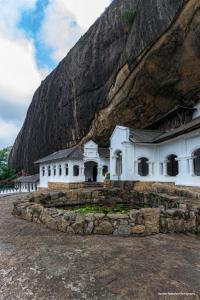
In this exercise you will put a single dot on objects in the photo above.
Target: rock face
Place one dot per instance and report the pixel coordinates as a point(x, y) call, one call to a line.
point(114, 76)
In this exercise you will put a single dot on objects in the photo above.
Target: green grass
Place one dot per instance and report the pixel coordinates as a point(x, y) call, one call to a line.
point(119, 208)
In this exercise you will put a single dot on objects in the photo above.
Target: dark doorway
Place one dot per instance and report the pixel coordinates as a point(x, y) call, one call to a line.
point(172, 165)
point(91, 171)
point(95, 172)
point(143, 166)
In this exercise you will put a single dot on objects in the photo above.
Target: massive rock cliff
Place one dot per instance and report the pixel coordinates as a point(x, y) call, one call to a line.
point(115, 76)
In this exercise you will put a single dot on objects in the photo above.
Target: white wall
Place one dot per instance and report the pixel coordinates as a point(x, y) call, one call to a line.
point(44, 180)
point(118, 139)
point(157, 154)
point(90, 154)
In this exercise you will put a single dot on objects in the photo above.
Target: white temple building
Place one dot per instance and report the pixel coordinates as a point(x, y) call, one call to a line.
point(87, 163)
point(167, 151)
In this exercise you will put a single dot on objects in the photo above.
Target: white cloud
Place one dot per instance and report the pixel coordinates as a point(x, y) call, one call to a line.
point(19, 73)
point(66, 20)
point(11, 11)
point(86, 11)
point(8, 130)
point(59, 32)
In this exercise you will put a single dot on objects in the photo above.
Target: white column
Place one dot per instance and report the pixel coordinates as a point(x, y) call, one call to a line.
point(137, 167)
point(191, 164)
point(114, 157)
point(165, 168)
point(100, 175)
point(82, 170)
point(150, 168)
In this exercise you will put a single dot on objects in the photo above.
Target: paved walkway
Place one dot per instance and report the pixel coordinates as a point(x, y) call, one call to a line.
point(36, 263)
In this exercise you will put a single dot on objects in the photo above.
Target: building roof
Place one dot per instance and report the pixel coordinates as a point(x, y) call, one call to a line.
point(144, 136)
point(153, 136)
point(28, 179)
point(188, 127)
point(170, 113)
point(75, 153)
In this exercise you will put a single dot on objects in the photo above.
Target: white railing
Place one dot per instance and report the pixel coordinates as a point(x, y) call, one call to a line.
point(7, 191)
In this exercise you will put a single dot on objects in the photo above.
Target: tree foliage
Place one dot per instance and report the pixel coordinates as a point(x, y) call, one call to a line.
point(129, 17)
point(5, 171)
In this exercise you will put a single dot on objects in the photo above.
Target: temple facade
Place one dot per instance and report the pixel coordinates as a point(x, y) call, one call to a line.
point(87, 163)
point(168, 150)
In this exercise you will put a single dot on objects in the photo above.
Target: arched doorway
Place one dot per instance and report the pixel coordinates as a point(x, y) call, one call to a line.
point(197, 162)
point(172, 165)
point(118, 163)
point(143, 166)
point(91, 171)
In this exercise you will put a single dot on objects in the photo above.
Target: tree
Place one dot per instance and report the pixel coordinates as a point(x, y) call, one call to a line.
point(5, 171)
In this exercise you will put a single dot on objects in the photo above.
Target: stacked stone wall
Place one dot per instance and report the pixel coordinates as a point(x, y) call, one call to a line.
point(166, 214)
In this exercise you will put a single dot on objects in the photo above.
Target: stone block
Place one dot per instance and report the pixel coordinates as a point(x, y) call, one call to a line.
point(51, 223)
point(104, 228)
point(133, 214)
point(123, 230)
point(78, 227)
point(170, 225)
point(99, 216)
point(151, 219)
point(117, 216)
point(179, 225)
point(62, 224)
point(138, 229)
point(69, 216)
point(89, 217)
point(89, 228)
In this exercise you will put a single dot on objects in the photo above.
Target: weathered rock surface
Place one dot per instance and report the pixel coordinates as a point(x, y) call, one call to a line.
point(115, 77)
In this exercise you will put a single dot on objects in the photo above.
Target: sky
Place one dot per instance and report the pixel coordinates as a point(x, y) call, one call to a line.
point(34, 36)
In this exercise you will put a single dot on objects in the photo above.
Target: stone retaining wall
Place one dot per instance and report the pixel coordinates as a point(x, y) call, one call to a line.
point(138, 222)
point(166, 215)
point(146, 221)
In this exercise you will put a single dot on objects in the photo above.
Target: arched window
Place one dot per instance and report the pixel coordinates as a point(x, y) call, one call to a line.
point(43, 171)
point(76, 170)
point(105, 170)
point(66, 170)
point(54, 170)
point(143, 166)
point(49, 170)
point(60, 170)
point(172, 165)
point(197, 162)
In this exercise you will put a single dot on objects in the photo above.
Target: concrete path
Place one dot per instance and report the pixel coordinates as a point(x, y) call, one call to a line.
point(36, 263)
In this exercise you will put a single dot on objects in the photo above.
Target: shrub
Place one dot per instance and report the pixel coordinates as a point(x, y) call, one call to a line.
point(129, 17)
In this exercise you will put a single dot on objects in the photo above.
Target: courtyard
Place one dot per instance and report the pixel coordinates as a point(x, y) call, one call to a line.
point(38, 263)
